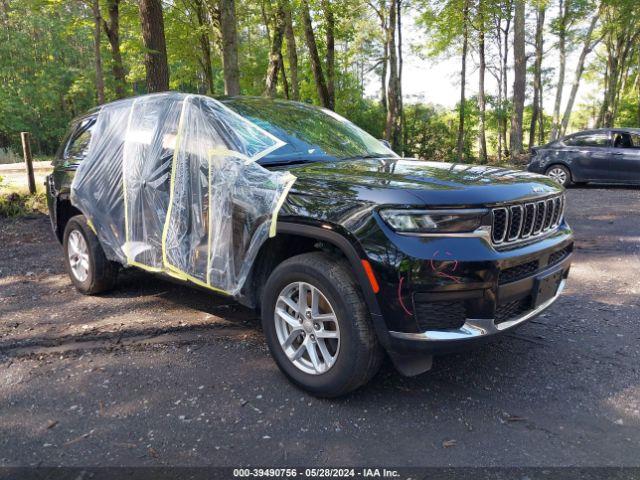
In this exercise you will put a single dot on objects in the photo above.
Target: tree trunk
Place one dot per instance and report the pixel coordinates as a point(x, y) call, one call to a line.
point(283, 74)
point(155, 59)
point(638, 92)
point(97, 20)
point(265, 20)
point(619, 47)
point(112, 29)
point(400, 66)
point(331, 52)
point(482, 141)
point(316, 66)
point(541, 133)
point(463, 75)
point(505, 71)
point(536, 111)
point(392, 130)
point(229, 34)
point(385, 58)
point(292, 53)
point(383, 77)
point(587, 47)
point(276, 51)
point(205, 45)
point(562, 48)
point(499, 76)
point(519, 78)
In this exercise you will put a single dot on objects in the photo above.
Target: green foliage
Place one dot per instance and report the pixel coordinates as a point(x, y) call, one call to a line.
point(47, 64)
point(430, 132)
point(17, 204)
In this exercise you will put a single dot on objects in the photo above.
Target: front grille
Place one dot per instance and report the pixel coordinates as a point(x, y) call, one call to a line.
point(439, 315)
point(510, 310)
point(517, 222)
point(518, 272)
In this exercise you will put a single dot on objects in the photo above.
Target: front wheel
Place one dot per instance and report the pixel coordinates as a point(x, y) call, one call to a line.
point(318, 327)
point(560, 174)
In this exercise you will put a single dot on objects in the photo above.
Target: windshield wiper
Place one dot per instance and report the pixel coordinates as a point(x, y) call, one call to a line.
point(278, 163)
point(367, 156)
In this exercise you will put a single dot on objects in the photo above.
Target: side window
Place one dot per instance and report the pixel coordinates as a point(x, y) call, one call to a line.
point(589, 140)
point(626, 140)
point(78, 146)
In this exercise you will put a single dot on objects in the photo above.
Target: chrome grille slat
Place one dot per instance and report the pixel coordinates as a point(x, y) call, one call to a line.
point(520, 221)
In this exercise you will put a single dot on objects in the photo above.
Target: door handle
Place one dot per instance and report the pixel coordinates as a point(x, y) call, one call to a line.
point(617, 153)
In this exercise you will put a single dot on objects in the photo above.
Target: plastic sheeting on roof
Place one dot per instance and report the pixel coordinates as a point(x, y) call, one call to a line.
point(171, 184)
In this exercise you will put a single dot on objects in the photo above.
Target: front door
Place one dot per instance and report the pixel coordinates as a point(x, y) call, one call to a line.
point(589, 155)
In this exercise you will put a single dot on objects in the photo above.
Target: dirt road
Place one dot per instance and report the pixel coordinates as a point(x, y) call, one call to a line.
point(159, 374)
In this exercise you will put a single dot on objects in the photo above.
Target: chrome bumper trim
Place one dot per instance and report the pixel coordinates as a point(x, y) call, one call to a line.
point(478, 327)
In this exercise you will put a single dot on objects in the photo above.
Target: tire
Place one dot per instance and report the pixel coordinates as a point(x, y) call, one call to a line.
point(357, 353)
point(100, 274)
point(560, 174)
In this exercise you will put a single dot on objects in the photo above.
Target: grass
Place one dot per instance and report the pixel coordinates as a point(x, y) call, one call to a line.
point(18, 202)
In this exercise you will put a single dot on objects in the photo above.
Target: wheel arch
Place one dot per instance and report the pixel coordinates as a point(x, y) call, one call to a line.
point(64, 212)
point(302, 238)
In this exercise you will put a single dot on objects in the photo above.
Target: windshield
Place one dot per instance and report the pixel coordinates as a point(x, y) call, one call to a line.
point(311, 134)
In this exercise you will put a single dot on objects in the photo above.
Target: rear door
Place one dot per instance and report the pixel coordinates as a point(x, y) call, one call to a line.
point(589, 155)
point(625, 158)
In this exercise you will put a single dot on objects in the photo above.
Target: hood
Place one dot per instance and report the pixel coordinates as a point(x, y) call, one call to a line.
point(416, 182)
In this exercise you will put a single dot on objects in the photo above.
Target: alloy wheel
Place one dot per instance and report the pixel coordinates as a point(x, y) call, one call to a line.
point(78, 253)
point(307, 328)
point(559, 175)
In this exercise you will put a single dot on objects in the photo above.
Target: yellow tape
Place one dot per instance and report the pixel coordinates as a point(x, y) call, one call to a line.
point(91, 226)
point(145, 267)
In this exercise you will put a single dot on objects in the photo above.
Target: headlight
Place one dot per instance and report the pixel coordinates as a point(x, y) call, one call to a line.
point(433, 221)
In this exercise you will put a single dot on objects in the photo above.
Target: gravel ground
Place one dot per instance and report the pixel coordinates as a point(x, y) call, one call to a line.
point(159, 374)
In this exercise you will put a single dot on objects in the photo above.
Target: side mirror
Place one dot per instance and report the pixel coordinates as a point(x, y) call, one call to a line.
point(386, 143)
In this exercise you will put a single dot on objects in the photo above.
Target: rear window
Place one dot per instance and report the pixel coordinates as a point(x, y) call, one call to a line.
point(626, 140)
point(78, 144)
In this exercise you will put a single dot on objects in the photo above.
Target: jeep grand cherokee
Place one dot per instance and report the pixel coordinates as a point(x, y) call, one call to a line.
point(372, 252)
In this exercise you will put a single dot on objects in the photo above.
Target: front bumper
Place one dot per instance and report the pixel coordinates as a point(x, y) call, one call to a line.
point(478, 330)
point(478, 327)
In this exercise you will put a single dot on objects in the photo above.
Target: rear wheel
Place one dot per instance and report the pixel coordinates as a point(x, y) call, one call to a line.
point(318, 327)
point(560, 174)
point(89, 269)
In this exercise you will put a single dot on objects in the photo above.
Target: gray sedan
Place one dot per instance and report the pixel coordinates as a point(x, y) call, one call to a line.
point(610, 155)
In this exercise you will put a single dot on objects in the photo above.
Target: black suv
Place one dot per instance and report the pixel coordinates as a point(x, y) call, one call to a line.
point(372, 253)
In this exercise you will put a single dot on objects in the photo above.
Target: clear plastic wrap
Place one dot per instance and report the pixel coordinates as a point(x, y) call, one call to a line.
point(171, 184)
